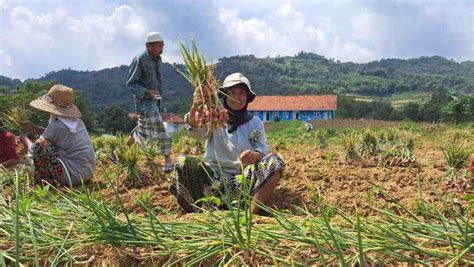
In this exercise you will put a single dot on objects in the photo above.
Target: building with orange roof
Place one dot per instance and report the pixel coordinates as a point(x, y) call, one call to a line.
point(294, 107)
point(172, 122)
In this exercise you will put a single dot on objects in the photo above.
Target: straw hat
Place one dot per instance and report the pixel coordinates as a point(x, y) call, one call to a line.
point(58, 101)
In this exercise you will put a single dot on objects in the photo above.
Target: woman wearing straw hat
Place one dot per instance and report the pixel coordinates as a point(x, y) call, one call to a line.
point(63, 155)
point(236, 158)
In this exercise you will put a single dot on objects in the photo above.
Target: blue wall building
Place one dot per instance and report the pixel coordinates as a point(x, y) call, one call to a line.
point(299, 107)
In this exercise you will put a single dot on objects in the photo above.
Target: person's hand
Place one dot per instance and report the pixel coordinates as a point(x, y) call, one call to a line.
point(192, 118)
point(250, 157)
point(25, 139)
point(153, 94)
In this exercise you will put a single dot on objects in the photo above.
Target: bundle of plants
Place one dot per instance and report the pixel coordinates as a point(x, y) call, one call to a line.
point(399, 153)
point(321, 139)
point(368, 146)
point(200, 75)
point(352, 157)
point(128, 159)
point(15, 118)
point(456, 153)
point(406, 156)
point(189, 146)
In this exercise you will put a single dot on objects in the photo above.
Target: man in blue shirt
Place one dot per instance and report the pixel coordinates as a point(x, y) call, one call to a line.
point(145, 81)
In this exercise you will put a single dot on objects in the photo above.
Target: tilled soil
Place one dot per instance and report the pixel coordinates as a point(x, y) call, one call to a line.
point(322, 173)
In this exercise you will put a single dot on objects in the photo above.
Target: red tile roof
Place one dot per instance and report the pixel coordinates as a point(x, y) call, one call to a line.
point(294, 102)
point(172, 118)
point(167, 117)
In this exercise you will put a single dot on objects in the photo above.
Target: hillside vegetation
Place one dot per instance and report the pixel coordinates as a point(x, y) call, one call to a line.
point(305, 73)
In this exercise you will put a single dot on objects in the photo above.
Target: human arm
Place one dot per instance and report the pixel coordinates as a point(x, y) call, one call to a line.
point(133, 82)
point(35, 128)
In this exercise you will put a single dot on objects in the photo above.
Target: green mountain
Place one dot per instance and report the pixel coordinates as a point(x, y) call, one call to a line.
point(8, 82)
point(301, 74)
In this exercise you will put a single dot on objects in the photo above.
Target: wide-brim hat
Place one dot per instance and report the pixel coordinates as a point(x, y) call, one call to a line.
point(58, 101)
point(235, 79)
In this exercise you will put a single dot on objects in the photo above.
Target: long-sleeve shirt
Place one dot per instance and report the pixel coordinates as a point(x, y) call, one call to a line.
point(145, 74)
point(223, 149)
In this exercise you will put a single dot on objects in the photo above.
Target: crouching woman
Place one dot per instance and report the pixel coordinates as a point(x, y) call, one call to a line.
point(233, 153)
point(63, 155)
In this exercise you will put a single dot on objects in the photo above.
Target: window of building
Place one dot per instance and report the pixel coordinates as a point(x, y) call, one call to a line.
point(275, 113)
point(286, 114)
point(304, 113)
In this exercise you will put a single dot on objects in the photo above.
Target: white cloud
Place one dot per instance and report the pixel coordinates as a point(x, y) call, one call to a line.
point(41, 36)
point(58, 40)
point(288, 35)
point(5, 59)
point(3, 4)
point(284, 10)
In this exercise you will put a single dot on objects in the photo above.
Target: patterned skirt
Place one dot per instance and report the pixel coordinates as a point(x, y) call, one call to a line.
point(47, 165)
point(193, 180)
point(150, 130)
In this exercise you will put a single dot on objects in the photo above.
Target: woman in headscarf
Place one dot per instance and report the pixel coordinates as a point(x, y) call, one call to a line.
point(63, 155)
point(235, 155)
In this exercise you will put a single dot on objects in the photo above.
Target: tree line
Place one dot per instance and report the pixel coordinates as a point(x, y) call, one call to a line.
point(442, 106)
point(304, 73)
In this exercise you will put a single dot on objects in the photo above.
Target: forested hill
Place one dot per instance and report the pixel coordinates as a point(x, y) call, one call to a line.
point(8, 82)
point(308, 73)
point(301, 74)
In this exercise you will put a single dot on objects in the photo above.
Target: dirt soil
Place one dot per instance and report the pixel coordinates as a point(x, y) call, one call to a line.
point(312, 172)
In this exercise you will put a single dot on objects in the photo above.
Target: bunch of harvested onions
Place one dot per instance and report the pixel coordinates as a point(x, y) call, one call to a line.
point(210, 111)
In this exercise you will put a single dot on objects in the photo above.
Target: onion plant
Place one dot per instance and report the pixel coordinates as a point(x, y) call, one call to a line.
point(201, 77)
point(15, 118)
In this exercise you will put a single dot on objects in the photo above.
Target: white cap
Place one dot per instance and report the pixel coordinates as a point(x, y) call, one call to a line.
point(154, 37)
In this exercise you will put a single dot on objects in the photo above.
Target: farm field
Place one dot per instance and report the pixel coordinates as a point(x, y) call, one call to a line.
point(397, 100)
point(354, 192)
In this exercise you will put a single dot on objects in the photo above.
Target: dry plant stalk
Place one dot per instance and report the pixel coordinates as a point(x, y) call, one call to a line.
point(210, 111)
point(16, 118)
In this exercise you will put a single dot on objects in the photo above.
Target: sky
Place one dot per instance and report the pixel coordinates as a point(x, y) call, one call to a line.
point(39, 36)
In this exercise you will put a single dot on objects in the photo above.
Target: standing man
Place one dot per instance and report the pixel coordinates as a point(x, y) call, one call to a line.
point(145, 80)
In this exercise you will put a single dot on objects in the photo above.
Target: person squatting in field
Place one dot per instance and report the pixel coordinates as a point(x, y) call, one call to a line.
point(145, 81)
point(63, 155)
point(234, 152)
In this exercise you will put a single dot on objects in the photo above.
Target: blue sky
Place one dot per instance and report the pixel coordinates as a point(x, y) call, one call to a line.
point(41, 36)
